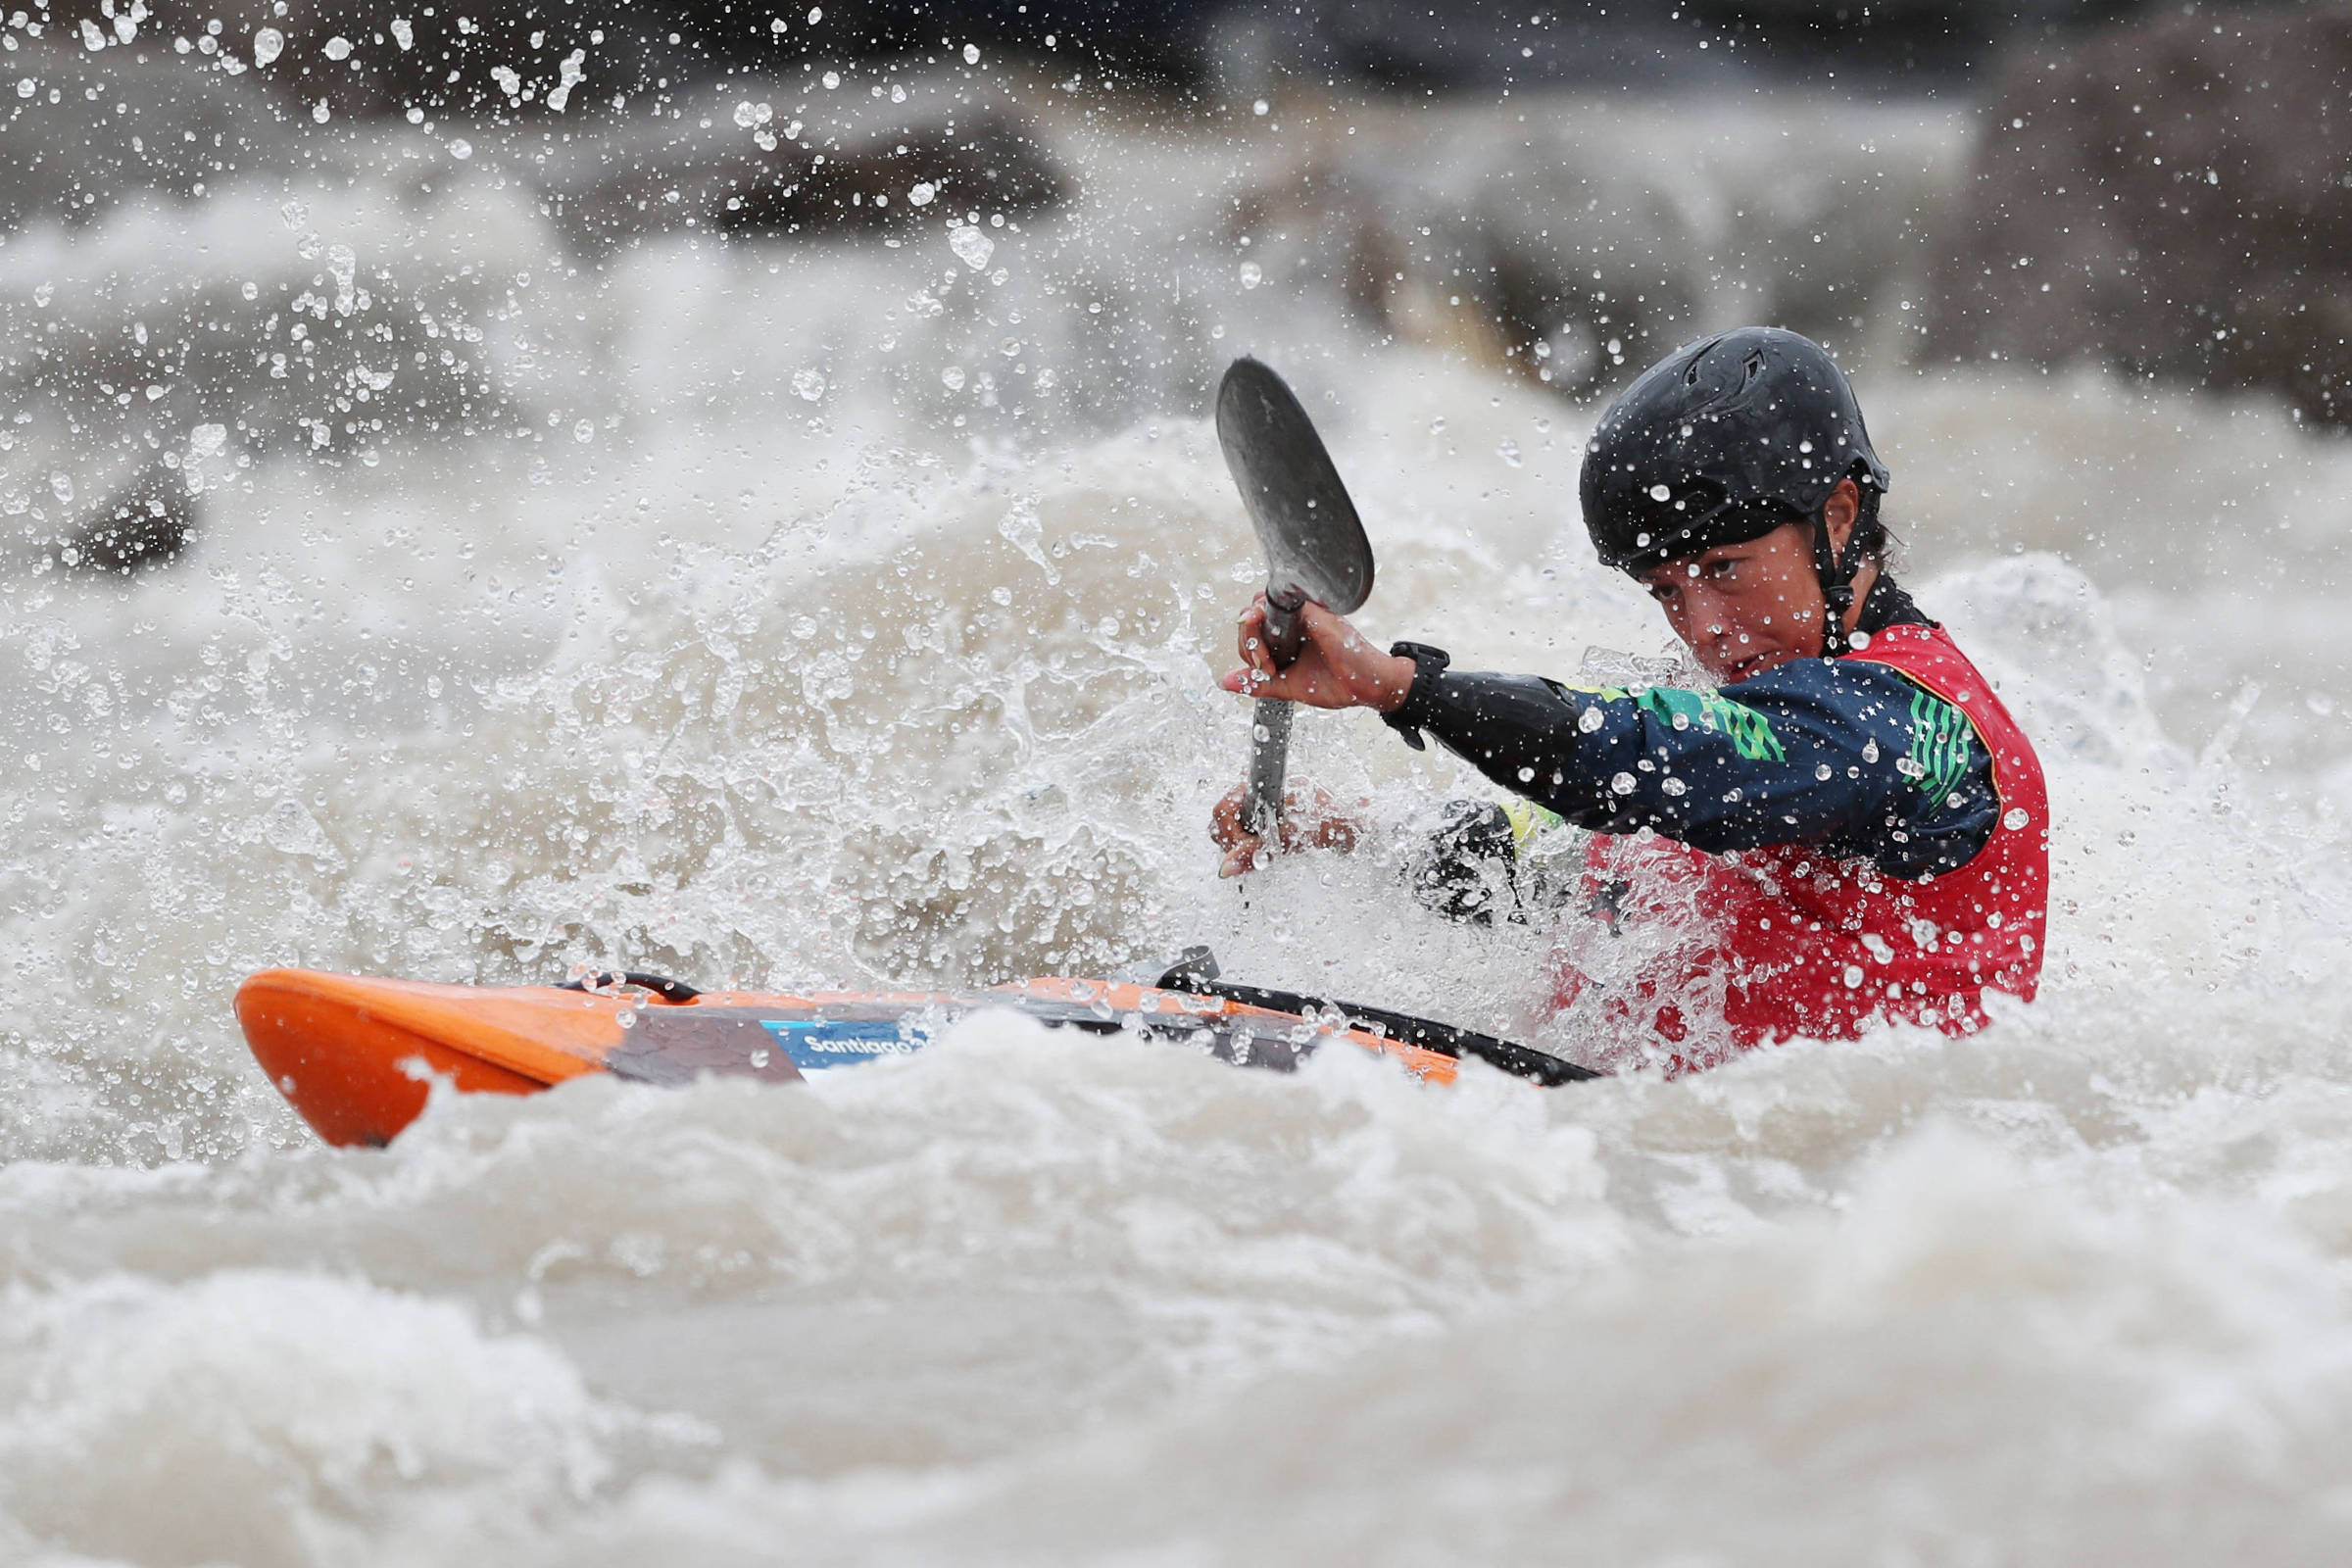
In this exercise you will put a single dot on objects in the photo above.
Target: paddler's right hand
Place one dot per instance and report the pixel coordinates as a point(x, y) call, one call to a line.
point(1336, 667)
point(1310, 820)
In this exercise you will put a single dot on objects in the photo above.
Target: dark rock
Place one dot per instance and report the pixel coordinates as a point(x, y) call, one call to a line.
point(773, 156)
point(2170, 200)
point(1692, 44)
point(987, 165)
point(1599, 234)
point(146, 524)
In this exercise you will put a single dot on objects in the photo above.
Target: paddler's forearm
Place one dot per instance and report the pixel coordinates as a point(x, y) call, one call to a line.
point(1519, 731)
point(1607, 761)
point(1819, 750)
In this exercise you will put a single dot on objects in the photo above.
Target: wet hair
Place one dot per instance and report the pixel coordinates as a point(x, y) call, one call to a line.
point(1871, 541)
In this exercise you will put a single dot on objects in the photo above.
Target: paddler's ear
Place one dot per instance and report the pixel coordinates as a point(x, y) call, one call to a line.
point(1842, 512)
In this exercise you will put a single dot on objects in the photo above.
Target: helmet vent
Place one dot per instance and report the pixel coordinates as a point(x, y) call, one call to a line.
point(1691, 370)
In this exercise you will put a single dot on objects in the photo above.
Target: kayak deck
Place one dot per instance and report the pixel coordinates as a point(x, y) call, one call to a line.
point(356, 1056)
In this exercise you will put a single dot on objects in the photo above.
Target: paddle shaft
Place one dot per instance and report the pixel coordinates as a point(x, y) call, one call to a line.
point(1270, 724)
point(1314, 543)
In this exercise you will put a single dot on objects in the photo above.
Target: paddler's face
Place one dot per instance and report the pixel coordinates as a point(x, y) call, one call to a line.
point(1748, 607)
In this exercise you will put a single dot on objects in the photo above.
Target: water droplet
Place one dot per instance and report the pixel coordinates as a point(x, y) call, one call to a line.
point(971, 54)
point(1025, 532)
point(584, 431)
point(1588, 721)
point(1622, 784)
point(1251, 274)
point(808, 384)
point(1260, 108)
point(921, 194)
point(832, 79)
point(337, 48)
point(267, 45)
point(289, 829)
point(971, 247)
point(344, 263)
point(952, 378)
point(1659, 492)
point(2014, 817)
point(460, 148)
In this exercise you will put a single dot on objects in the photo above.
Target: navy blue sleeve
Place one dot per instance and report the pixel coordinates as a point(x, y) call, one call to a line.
point(1843, 754)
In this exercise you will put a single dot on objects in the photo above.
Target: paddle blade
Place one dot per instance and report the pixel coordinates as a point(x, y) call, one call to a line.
point(1315, 546)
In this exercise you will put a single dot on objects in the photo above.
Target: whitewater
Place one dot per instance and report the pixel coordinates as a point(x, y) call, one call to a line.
point(846, 610)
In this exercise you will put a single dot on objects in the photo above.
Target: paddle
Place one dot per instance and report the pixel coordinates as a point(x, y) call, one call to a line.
point(1315, 547)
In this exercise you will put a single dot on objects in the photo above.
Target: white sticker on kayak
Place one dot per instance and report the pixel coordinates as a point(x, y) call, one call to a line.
point(816, 1044)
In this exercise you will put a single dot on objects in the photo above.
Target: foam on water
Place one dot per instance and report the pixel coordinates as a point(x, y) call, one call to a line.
point(753, 685)
point(1972, 1367)
point(276, 1416)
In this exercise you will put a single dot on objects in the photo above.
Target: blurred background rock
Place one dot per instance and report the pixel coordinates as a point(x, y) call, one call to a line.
point(1559, 193)
point(2171, 199)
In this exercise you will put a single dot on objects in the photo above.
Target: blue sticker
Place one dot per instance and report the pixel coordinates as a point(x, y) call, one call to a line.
point(815, 1043)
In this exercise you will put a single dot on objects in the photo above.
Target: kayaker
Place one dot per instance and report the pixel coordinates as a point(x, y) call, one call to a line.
point(1849, 829)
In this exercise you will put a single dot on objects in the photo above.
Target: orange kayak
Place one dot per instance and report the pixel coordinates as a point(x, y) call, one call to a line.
point(356, 1056)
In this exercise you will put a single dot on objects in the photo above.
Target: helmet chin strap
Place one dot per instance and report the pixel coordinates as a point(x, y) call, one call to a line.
point(1836, 568)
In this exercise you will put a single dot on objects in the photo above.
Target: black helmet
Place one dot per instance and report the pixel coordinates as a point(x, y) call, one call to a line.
point(1723, 441)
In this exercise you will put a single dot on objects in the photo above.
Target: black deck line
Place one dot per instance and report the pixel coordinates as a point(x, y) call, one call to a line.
point(1524, 1062)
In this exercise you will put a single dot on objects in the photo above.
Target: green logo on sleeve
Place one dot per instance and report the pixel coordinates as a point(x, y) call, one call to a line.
point(1939, 740)
point(1751, 732)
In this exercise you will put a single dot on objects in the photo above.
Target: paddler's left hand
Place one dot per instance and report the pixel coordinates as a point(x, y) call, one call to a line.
point(1336, 667)
point(1311, 819)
